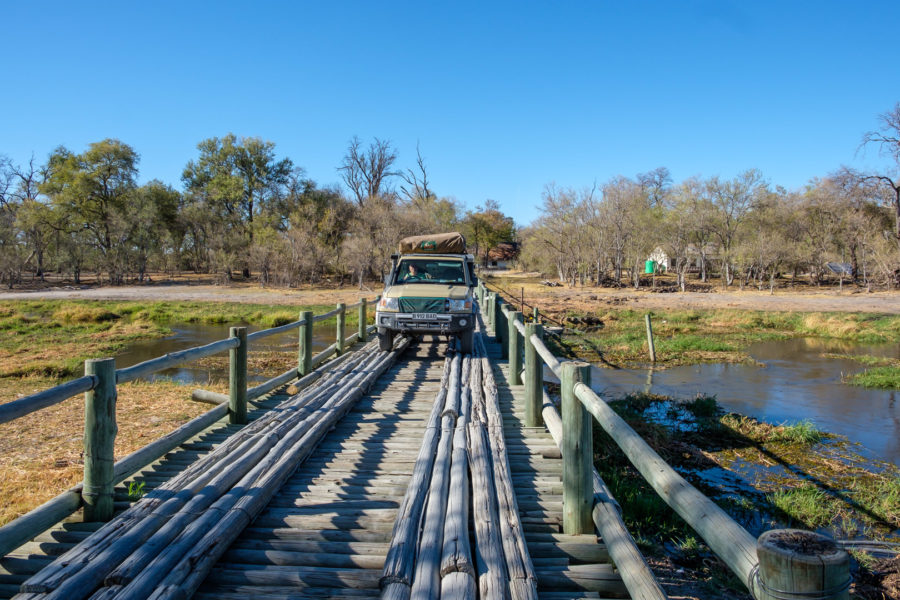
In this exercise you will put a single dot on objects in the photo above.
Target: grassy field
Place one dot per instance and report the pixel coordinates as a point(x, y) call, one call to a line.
point(46, 342)
point(53, 338)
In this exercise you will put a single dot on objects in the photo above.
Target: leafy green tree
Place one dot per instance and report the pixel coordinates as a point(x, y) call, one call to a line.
point(91, 192)
point(232, 182)
point(154, 226)
point(486, 227)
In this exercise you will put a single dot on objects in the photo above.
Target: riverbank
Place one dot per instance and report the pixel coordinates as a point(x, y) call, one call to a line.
point(766, 476)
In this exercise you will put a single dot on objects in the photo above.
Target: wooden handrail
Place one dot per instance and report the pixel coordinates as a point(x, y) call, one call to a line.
point(29, 404)
point(172, 359)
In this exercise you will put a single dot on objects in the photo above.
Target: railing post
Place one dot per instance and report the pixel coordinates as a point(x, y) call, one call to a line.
point(800, 564)
point(500, 331)
point(341, 320)
point(650, 344)
point(534, 377)
point(537, 315)
point(305, 354)
point(237, 378)
point(361, 331)
point(99, 440)
point(492, 311)
point(577, 452)
point(515, 348)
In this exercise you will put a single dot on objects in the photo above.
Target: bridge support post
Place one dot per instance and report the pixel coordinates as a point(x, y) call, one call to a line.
point(237, 378)
point(500, 330)
point(341, 322)
point(99, 440)
point(492, 312)
point(800, 564)
point(304, 360)
point(361, 331)
point(515, 348)
point(534, 378)
point(577, 452)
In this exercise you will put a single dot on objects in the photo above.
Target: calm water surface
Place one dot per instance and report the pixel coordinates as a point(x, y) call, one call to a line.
point(795, 383)
point(186, 336)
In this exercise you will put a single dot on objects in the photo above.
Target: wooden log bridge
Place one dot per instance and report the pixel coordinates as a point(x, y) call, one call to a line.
point(416, 473)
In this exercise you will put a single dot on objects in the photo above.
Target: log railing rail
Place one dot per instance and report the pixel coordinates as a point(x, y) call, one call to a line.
point(750, 559)
point(99, 387)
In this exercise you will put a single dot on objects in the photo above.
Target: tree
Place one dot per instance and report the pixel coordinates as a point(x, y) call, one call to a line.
point(91, 192)
point(656, 185)
point(234, 179)
point(887, 138)
point(486, 227)
point(366, 172)
point(733, 200)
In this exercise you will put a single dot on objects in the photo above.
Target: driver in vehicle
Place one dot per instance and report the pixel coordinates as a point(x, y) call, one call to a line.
point(415, 273)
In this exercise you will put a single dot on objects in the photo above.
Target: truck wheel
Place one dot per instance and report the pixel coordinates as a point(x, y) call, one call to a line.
point(466, 341)
point(386, 340)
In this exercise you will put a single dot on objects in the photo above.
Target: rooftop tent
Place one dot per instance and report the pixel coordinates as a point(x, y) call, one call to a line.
point(439, 243)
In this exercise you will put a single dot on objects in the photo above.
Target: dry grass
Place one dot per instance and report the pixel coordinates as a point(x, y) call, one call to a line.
point(41, 454)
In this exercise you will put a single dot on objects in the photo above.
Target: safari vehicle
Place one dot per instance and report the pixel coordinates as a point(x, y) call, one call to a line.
point(429, 291)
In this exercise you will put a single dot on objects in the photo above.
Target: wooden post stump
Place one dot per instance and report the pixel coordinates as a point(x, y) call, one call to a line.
point(341, 322)
point(361, 330)
point(515, 348)
point(99, 440)
point(534, 378)
point(800, 564)
point(237, 378)
point(577, 452)
point(305, 353)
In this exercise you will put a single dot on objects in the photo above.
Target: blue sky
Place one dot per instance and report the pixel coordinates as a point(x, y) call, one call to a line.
point(502, 97)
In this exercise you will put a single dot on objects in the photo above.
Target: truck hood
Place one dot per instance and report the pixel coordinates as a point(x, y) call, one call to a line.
point(427, 290)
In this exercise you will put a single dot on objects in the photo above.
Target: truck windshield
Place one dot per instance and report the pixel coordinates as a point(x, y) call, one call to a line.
point(430, 271)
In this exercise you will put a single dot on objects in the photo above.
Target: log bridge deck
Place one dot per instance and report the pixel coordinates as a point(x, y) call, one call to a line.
point(332, 528)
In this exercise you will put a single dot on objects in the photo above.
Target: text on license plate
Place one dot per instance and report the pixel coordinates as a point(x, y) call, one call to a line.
point(424, 316)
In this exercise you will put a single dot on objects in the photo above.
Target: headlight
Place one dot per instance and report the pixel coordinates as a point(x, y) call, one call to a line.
point(459, 305)
point(392, 304)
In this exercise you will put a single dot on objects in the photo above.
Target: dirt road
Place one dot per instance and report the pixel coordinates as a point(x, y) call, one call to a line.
point(554, 299)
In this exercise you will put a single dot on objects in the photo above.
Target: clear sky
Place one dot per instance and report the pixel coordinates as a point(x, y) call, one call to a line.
point(502, 97)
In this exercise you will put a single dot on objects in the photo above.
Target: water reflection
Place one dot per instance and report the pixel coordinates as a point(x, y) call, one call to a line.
point(796, 382)
point(189, 335)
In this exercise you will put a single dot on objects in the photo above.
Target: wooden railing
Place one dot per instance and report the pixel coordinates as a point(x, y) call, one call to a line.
point(780, 564)
point(101, 472)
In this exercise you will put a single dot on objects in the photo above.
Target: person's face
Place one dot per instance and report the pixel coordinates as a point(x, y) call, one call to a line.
point(413, 270)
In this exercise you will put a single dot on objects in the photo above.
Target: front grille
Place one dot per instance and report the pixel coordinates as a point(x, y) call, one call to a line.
point(422, 305)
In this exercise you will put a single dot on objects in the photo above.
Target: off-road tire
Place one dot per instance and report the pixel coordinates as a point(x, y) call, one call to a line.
point(386, 340)
point(466, 341)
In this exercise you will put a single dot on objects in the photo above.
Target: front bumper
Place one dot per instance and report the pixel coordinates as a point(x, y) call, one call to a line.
point(439, 323)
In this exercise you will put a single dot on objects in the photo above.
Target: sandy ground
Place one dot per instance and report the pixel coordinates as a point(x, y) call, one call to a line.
point(555, 299)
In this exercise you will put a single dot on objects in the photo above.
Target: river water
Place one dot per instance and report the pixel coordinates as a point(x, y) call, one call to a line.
point(186, 336)
point(795, 382)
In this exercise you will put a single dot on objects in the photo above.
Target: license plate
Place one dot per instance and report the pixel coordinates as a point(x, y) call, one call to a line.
point(425, 316)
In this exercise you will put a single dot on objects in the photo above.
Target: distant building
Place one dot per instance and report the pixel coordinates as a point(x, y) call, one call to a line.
point(503, 255)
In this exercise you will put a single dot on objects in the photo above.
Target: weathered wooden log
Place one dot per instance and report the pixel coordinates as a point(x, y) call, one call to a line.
point(29, 404)
point(341, 322)
point(515, 347)
point(304, 351)
point(523, 583)
point(800, 564)
point(607, 517)
point(237, 378)
point(725, 537)
point(326, 316)
point(577, 451)
point(361, 318)
point(397, 576)
point(493, 578)
point(264, 333)
point(534, 376)
point(173, 359)
point(324, 355)
point(99, 440)
point(546, 355)
point(427, 581)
